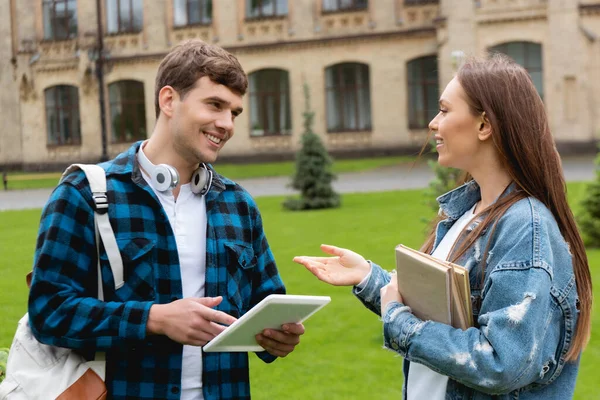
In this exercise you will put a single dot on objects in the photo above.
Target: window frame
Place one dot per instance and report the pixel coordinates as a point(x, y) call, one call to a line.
point(340, 8)
point(262, 16)
point(130, 105)
point(187, 14)
point(53, 19)
point(408, 3)
point(259, 98)
point(423, 84)
point(72, 110)
point(338, 85)
point(526, 58)
point(120, 30)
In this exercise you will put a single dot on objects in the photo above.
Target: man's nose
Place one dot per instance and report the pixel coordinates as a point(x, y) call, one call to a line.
point(225, 122)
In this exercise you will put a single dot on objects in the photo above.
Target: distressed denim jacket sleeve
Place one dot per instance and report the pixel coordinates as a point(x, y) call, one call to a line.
point(499, 356)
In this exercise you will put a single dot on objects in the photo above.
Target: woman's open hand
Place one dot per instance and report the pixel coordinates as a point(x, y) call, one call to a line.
point(346, 268)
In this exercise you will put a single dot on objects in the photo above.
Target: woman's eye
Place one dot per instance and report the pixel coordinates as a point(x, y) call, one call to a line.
point(443, 111)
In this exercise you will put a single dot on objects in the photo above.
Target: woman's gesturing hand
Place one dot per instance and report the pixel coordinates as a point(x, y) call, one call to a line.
point(346, 268)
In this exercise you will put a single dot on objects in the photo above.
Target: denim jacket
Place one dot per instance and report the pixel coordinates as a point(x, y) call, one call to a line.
point(525, 311)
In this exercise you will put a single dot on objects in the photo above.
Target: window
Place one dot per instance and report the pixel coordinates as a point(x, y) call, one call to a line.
point(266, 8)
point(60, 19)
point(423, 95)
point(270, 103)
point(348, 97)
point(127, 111)
point(124, 16)
point(62, 115)
point(420, 2)
point(528, 55)
point(192, 12)
point(344, 5)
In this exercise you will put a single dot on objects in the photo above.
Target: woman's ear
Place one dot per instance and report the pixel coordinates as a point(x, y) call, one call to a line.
point(485, 128)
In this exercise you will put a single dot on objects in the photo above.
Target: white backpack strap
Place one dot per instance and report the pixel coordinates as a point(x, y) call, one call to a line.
point(96, 177)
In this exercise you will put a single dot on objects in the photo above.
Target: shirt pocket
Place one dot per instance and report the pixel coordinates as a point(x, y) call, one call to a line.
point(139, 257)
point(240, 267)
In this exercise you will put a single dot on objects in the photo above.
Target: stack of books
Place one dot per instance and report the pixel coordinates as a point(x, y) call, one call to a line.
point(435, 290)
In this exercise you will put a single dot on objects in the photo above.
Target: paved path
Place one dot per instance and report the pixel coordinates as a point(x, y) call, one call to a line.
point(388, 178)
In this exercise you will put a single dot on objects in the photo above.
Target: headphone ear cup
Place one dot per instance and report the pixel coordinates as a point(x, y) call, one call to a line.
point(165, 177)
point(201, 180)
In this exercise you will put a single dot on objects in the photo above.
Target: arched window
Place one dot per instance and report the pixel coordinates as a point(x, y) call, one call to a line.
point(348, 97)
point(124, 16)
point(127, 111)
point(62, 115)
point(270, 103)
point(423, 91)
point(528, 55)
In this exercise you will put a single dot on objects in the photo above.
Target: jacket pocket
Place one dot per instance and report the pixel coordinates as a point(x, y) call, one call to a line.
point(240, 268)
point(139, 257)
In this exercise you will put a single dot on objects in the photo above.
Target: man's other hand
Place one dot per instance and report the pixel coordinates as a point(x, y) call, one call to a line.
point(282, 342)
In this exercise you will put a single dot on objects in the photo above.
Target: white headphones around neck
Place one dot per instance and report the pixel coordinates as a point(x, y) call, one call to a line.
point(165, 177)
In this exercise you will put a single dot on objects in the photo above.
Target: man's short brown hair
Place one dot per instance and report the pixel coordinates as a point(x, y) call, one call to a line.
point(191, 60)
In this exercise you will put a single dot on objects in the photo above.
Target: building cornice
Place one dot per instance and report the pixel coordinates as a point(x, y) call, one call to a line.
point(295, 44)
point(589, 9)
point(498, 17)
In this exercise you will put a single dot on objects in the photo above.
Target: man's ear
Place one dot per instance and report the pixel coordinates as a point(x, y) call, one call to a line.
point(485, 128)
point(166, 97)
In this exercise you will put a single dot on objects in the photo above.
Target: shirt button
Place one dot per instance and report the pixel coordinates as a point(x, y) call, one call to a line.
point(175, 390)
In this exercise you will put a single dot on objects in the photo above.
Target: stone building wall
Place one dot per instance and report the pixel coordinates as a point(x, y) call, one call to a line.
point(384, 36)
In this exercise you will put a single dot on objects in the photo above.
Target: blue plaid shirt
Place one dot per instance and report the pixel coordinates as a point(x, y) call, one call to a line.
point(64, 312)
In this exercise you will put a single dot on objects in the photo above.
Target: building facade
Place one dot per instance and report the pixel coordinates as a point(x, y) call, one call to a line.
point(374, 69)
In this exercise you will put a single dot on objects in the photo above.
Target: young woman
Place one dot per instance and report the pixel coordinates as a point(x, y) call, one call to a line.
point(510, 225)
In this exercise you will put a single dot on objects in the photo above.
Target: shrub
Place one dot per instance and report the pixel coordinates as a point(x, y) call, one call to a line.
point(589, 216)
point(3, 359)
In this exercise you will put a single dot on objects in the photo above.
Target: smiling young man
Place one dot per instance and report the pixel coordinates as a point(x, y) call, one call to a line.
point(194, 252)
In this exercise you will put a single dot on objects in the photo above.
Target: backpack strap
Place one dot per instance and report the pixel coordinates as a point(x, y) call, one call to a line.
point(96, 177)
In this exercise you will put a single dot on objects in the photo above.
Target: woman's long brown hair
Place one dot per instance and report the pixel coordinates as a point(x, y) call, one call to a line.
point(521, 134)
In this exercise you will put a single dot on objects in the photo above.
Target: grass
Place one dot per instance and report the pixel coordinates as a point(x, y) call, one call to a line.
point(340, 356)
point(37, 180)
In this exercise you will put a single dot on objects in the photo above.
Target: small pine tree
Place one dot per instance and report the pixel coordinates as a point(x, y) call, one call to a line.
point(445, 180)
point(589, 217)
point(313, 175)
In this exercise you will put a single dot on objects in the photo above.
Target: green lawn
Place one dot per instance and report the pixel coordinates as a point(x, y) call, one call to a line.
point(37, 180)
point(341, 355)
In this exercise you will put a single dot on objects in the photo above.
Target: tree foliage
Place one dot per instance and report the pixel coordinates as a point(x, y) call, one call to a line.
point(589, 216)
point(313, 174)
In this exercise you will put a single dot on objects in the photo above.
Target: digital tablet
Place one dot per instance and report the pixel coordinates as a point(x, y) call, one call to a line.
point(274, 311)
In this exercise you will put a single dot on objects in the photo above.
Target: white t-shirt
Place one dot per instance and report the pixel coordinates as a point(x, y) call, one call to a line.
point(188, 220)
point(424, 383)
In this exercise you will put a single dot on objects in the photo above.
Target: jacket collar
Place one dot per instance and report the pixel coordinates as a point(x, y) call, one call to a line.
point(458, 201)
